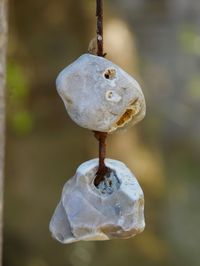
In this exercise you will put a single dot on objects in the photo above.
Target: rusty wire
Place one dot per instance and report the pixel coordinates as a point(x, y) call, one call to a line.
point(100, 136)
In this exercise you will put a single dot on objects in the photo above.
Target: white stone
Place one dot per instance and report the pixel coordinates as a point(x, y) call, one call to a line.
point(114, 209)
point(99, 95)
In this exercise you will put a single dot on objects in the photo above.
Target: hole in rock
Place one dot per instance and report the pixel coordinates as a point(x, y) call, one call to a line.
point(126, 116)
point(110, 95)
point(110, 184)
point(110, 73)
point(129, 113)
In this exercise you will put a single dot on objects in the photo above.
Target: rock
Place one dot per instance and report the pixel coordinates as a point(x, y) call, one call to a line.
point(99, 95)
point(114, 209)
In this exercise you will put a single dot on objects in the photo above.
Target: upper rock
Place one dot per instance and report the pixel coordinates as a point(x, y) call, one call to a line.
point(99, 95)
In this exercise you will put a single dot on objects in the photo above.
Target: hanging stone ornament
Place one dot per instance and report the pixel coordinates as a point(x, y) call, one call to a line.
point(99, 95)
point(103, 200)
point(114, 209)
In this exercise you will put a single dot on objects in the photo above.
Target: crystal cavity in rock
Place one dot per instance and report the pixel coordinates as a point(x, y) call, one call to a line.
point(110, 183)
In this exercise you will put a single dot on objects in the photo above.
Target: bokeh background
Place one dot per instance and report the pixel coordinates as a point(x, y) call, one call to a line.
point(156, 41)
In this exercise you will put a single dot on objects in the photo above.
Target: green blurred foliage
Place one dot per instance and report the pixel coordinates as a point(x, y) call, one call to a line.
point(17, 83)
point(194, 88)
point(19, 117)
point(22, 122)
point(190, 39)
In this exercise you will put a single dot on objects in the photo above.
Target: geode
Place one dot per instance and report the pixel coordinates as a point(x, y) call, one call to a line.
point(113, 209)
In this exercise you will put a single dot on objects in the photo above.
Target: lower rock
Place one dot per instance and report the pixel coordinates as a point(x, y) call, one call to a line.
point(114, 209)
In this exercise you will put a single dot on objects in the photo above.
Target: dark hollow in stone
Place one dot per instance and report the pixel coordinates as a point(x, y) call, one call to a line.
point(110, 73)
point(110, 184)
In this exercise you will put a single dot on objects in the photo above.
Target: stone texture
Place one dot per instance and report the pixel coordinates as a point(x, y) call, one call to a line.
point(86, 212)
point(99, 95)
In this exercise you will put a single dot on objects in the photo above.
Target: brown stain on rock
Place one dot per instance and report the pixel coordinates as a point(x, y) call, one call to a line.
point(118, 232)
point(126, 116)
point(130, 112)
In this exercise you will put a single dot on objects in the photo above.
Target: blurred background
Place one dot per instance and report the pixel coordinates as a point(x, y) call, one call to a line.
point(156, 41)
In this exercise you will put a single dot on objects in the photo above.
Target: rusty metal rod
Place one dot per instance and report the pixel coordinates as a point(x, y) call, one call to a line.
point(100, 136)
point(99, 15)
point(102, 169)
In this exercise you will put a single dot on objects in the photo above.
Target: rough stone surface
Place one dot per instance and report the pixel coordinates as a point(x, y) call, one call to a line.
point(86, 212)
point(99, 95)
